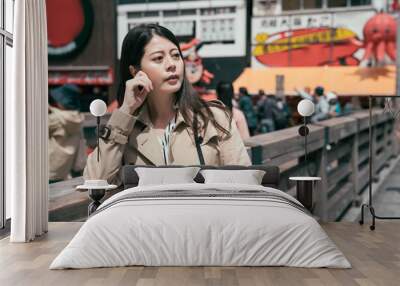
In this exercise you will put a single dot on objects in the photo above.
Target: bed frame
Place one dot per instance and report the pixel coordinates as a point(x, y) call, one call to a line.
point(271, 178)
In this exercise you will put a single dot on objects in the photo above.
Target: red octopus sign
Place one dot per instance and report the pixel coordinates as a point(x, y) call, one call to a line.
point(380, 38)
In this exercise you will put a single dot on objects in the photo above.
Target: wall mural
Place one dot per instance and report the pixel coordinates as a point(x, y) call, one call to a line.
point(324, 39)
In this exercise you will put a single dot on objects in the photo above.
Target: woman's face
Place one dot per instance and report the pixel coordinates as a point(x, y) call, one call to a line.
point(163, 65)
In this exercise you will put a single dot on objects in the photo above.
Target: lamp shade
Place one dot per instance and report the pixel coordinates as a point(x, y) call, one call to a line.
point(305, 107)
point(98, 107)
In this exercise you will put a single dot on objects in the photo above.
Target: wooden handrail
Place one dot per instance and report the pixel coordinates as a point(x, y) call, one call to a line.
point(338, 153)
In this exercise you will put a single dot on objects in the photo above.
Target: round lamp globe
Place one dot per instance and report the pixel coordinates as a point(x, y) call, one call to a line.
point(305, 107)
point(98, 107)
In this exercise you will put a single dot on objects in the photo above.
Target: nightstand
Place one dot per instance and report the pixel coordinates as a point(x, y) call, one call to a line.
point(304, 190)
point(96, 190)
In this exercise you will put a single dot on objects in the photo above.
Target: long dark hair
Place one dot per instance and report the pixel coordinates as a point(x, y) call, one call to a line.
point(186, 98)
point(225, 93)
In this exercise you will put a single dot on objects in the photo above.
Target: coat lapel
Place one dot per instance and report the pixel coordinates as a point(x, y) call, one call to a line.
point(148, 145)
point(209, 133)
point(145, 141)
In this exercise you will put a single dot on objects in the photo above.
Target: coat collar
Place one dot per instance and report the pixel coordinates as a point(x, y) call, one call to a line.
point(145, 139)
point(146, 142)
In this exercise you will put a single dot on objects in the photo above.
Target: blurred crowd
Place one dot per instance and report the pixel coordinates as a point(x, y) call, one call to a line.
point(327, 104)
point(262, 113)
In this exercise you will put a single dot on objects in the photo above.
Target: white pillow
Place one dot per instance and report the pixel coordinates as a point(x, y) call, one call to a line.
point(248, 177)
point(164, 176)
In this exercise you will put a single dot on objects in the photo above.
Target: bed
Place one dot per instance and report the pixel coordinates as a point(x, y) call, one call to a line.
point(201, 224)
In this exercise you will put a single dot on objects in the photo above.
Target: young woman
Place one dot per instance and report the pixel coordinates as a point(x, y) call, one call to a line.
point(161, 121)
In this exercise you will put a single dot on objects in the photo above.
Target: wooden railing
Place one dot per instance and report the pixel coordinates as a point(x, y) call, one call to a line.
point(338, 152)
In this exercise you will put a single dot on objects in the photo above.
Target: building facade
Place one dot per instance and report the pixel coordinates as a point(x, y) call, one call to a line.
point(82, 47)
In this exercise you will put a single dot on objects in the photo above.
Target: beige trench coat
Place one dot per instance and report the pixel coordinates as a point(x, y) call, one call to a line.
point(134, 141)
point(64, 138)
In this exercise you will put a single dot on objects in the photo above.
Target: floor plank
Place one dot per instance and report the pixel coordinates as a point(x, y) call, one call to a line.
point(375, 257)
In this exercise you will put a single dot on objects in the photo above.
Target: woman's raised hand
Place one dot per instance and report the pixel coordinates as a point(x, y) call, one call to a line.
point(136, 91)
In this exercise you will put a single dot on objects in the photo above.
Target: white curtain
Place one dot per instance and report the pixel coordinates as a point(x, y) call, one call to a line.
point(26, 124)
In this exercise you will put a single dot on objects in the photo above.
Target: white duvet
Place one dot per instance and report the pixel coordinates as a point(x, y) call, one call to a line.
point(206, 230)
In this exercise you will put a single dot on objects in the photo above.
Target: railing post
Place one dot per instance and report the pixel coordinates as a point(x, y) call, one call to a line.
point(388, 151)
point(321, 207)
point(374, 141)
point(354, 166)
point(257, 155)
point(393, 150)
point(395, 136)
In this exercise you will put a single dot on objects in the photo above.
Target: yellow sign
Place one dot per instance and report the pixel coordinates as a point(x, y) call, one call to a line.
point(325, 36)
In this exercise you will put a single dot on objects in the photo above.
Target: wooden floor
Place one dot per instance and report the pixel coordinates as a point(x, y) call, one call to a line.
point(375, 257)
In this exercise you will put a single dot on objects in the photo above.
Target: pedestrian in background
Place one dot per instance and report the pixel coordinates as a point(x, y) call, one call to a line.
point(321, 105)
point(265, 112)
point(246, 105)
point(225, 94)
point(64, 130)
point(334, 105)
